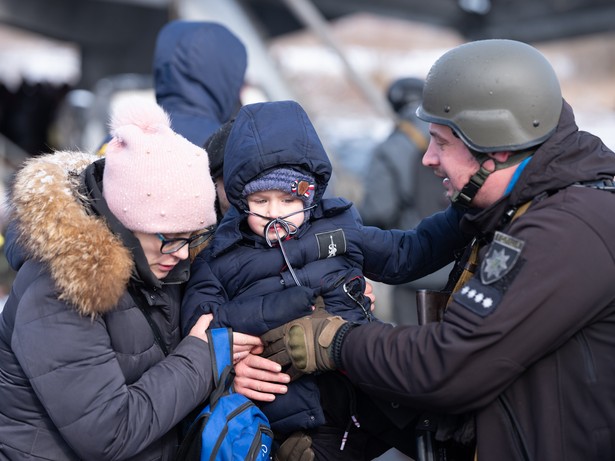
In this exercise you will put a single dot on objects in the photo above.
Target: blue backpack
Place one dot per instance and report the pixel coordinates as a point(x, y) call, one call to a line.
point(231, 427)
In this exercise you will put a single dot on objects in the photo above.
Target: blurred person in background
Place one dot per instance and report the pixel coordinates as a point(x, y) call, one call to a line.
point(199, 71)
point(400, 192)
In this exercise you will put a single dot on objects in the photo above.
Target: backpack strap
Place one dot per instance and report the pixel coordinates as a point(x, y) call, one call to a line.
point(221, 348)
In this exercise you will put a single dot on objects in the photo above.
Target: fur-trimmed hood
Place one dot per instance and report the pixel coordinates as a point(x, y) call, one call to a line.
point(88, 262)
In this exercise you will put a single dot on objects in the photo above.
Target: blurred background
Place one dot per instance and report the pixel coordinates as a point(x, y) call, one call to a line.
point(63, 64)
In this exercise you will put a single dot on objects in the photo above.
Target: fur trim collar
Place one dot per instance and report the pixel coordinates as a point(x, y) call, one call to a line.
point(89, 264)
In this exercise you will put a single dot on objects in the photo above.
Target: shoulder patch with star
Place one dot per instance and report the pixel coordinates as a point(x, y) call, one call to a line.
point(482, 294)
point(501, 257)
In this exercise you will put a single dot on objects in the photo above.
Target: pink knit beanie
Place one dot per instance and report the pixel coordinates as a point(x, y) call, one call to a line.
point(154, 179)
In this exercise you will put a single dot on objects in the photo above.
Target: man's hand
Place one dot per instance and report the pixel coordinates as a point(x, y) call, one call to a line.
point(304, 342)
point(259, 378)
point(297, 447)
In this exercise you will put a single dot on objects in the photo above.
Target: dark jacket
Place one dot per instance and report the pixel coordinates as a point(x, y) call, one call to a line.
point(528, 343)
point(241, 268)
point(81, 376)
point(199, 70)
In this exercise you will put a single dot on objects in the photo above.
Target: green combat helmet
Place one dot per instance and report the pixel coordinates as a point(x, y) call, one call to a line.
point(496, 95)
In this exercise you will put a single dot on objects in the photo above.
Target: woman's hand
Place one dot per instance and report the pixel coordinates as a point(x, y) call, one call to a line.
point(259, 378)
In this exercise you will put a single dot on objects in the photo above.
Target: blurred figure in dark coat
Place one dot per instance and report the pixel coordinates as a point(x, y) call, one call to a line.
point(399, 191)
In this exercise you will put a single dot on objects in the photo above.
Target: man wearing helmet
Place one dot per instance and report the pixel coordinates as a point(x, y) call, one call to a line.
point(525, 348)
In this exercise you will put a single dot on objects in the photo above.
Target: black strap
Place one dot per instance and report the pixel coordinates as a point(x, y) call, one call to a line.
point(136, 296)
point(155, 330)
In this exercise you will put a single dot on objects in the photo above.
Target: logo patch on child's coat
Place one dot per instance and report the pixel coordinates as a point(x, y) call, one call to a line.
point(501, 257)
point(331, 244)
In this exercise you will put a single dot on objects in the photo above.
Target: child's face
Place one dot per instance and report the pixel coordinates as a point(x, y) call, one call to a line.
point(273, 204)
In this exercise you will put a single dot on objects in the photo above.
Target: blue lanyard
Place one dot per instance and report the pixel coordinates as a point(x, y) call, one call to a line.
point(515, 177)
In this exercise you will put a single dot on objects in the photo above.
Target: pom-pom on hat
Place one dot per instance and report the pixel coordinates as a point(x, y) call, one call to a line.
point(285, 180)
point(153, 179)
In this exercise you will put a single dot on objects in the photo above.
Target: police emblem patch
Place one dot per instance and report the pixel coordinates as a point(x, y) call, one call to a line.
point(331, 244)
point(501, 257)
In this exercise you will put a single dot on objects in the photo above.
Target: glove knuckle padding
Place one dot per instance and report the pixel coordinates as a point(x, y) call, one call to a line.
point(299, 348)
point(308, 339)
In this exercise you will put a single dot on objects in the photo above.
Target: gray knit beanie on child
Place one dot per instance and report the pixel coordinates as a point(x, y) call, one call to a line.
point(285, 180)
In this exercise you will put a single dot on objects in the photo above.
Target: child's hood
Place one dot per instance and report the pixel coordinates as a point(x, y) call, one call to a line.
point(272, 135)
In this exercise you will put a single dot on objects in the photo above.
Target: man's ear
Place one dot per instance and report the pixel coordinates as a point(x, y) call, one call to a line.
point(500, 156)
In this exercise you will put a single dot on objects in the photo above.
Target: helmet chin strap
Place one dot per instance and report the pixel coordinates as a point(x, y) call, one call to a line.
point(465, 196)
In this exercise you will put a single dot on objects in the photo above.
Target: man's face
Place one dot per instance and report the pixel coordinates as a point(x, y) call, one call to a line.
point(449, 158)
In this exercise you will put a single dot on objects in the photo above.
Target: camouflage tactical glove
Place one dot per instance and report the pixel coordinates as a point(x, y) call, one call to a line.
point(297, 447)
point(305, 342)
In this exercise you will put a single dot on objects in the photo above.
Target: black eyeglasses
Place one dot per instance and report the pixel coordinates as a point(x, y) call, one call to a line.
point(169, 246)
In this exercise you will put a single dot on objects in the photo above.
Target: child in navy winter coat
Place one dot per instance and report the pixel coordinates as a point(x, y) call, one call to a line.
point(281, 245)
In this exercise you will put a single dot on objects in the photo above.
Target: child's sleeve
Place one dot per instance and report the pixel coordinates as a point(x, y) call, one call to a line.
point(254, 315)
point(204, 294)
point(397, 256)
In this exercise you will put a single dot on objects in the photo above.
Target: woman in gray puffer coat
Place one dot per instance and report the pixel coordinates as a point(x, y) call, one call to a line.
point(91, 362)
